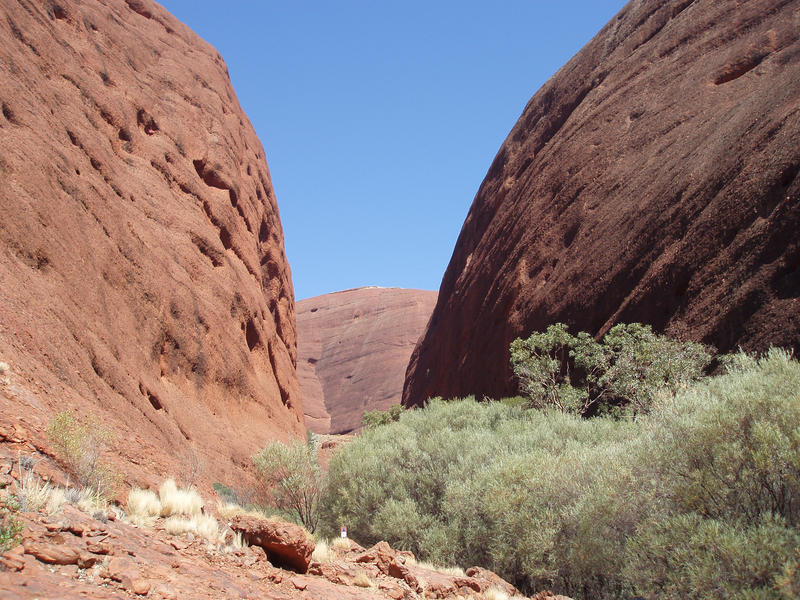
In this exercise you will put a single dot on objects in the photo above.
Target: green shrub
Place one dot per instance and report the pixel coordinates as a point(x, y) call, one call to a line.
point(789, 581)
point(375, 418)
point(697, 498)
point(629, 369)
point(10, 527)
point(730, 448)
point(79, 443)
point(291, 474)
point(689, 556)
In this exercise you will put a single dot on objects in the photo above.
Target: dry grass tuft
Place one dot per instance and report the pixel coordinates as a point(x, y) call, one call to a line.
point(176, 501)
point(453, 571)
point(341, 543)
point(35, 493)
point(144, 507)
point(201, 525)
point(237, 543)
point(228, 510)
point(322, 552)
point(143, 503)
point(58, 498)
point(91, 501)
point(494, 593)
point(362, 580)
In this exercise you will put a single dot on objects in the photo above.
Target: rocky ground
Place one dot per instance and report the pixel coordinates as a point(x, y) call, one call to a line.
point(70, 554)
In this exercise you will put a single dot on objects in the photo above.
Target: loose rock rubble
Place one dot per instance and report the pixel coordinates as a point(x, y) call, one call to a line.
point(70, 555)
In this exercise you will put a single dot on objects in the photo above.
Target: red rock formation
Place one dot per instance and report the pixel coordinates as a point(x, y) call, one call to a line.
point(284, 543)
point(353, 349)
point(143, 273)
point(654, 178)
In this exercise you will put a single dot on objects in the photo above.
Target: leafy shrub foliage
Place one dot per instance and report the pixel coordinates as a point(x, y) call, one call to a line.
point(376, 418)
point(629, 369)
point(79, 443)
point(10, 527)
point(697, 498)
point(292, 476)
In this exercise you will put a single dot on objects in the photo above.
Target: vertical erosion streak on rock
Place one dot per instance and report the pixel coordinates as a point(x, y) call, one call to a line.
point(654, 178)
point(141, 250)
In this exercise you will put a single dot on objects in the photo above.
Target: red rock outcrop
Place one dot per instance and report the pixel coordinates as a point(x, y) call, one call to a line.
point(353, 348)
point(654, 178)
point(143, 272)
point(284, 543)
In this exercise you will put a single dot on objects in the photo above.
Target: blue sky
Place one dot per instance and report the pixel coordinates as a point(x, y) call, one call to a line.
point(380, 118)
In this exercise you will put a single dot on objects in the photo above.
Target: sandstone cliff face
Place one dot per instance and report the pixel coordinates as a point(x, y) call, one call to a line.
point(141, 252)
point(353, 349)
point(654, 178)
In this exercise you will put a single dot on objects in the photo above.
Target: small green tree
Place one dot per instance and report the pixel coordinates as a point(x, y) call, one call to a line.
point(555, 368)
point(375, 418)
point(292, 475)
point(80, 443)
point(628, 369)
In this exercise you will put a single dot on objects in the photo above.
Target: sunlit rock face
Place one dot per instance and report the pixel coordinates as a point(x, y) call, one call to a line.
point(654, 178)
point(142, 265)
point(353, 349)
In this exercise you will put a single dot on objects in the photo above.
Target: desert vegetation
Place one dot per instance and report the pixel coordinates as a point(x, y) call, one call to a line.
point(79, 444)
point(10, 526)
point(376, 418)
point(690, 490)
point(621, 471)
point(623, 374)
point(292, 479)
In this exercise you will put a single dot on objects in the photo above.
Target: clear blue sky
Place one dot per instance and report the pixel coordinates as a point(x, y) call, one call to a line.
point(380, 118)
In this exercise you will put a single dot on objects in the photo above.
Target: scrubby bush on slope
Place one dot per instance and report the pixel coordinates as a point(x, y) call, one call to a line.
point(698, 498)
point(80, 443)
point(291, 474)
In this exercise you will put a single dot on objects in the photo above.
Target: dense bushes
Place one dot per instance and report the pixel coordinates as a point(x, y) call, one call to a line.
point(626, 372)
point(698, 498)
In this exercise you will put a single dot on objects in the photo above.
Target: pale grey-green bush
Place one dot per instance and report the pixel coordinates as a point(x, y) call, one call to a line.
point(701, 495)
point(689, 556)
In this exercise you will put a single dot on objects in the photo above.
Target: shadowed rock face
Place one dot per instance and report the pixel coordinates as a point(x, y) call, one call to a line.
point(353, 350)
point(141, 252)
point(654, 178)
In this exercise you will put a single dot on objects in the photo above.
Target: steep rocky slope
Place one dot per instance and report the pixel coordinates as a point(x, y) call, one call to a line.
point(353, 349)
point(143, 272)
point(654, 178)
